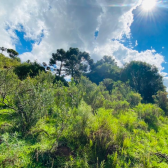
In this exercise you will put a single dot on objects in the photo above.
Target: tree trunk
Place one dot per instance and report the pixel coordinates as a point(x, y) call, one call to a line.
point(60, 69)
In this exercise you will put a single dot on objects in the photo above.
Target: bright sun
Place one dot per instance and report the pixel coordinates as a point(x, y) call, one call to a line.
point(148, 5)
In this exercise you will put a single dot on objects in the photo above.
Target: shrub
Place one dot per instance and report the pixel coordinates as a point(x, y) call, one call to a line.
point(150, 114)
point(134, 99)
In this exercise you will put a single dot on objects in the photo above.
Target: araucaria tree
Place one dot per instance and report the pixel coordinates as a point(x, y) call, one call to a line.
point(73, 61)
point(12, 53)
point(60, 55)
point(3, 49)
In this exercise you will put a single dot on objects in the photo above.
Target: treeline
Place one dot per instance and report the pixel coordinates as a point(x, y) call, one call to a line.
point(141, 77)
point(104, 117)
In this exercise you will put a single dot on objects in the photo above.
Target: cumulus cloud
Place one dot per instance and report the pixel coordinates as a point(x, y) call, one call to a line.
point(64, 23)
point(124, 55)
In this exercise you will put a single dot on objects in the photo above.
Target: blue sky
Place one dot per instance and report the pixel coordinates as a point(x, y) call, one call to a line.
point(151, 31)
point(123, 29)
point(23, 45)
point(26, 44)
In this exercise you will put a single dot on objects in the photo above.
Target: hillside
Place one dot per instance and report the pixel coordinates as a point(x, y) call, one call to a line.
point(119, 122)
point(7, 62)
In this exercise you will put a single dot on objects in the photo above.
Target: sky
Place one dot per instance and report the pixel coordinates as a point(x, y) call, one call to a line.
point(125, 29)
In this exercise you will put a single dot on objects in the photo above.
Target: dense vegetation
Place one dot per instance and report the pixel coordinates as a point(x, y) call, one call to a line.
point(104, 117)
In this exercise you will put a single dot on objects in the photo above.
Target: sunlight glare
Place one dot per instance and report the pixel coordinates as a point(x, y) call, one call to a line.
point(148, 5)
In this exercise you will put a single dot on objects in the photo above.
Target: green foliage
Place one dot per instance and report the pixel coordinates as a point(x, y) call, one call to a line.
point(103, 71)
point(8, 85)
point(150, 114)
point(30, 102)
point(48, 122)
point(108, 84)
point(61, 56)
point(161, 100)
point(7, 62)
point(28, 69)
point(134, 98)
point(12, 53)
point(143, 78)
point(71, 62)
point(14, 152)
point(105, 59)
point(91, 93)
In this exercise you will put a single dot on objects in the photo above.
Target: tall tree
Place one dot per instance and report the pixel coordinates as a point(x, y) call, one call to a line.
point(104, 68)
point(143, 78)
point(73, 61)
point(44, 64)
point(77, 62)
point(61, 56)
point(3, 49)
point(106, 59)
point(12, 53)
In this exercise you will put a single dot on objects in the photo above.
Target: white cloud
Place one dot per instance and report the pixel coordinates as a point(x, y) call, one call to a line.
point(65, 23)
point(136, 43)
point(124, 55)
point(165, 81)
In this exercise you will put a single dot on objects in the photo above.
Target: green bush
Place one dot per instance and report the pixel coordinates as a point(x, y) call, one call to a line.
point(150, 114)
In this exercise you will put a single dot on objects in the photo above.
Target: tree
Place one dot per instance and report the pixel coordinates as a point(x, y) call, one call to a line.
point(106, 59)
point(28, 61)
point(12, 53)
point(108, 83)
point(143, 78)
point(61, 56)
point(32, 102)
point(77, 62)
point(73, 61)
point(3, 49)
point(104, 68)
point(44, 64)
point(28, 69)
point(161, 99)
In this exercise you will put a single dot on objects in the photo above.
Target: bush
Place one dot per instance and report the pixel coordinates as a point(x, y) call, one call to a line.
point(150, 114)
point(28, 69)
point(134, 99)
point(162, 101)
point(30, 102)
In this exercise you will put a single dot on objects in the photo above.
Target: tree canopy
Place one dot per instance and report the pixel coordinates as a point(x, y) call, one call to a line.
point(72, 62)
point(28, 69)
point(12, 53)
point(104, 68)
point(143, 78)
